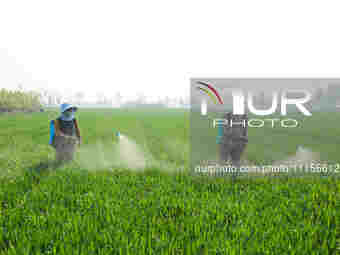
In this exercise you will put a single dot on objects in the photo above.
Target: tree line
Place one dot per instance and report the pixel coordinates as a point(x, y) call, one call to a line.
point(19, 100)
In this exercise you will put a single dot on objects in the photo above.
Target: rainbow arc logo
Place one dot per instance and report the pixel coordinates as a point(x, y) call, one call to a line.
point(210, 91)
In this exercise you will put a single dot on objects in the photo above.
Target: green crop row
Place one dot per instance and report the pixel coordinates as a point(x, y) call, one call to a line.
point(91, 207)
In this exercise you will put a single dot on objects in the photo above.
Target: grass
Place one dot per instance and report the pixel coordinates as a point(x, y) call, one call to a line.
point(68, 209)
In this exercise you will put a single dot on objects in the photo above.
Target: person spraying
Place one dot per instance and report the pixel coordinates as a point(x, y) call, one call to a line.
point(65, 133)
point(233, 139)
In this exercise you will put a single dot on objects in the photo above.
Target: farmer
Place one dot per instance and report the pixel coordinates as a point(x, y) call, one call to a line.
point(67, 133)
point(234, 139)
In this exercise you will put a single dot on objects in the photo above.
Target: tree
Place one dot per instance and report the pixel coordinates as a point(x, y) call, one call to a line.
point(187, 100)
point(79, 97)
point(181, 101)
point(118, 98)
point(318, 94)
point(100, 97)
point(57, 96)
point(167, 101)
point(141, 98)
point(262, 99)
point(20, 87)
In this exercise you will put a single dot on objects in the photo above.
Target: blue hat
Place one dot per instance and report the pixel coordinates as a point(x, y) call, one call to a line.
point(65, 107)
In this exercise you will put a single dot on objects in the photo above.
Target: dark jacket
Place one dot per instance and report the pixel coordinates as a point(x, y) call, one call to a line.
point(67, 127)
point(236, 129)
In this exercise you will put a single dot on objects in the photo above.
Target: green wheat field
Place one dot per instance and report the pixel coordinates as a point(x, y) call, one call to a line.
point(101, 204)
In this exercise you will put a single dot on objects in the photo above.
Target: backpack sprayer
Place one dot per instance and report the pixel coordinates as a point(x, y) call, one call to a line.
point(219, 133)
point(219, 130)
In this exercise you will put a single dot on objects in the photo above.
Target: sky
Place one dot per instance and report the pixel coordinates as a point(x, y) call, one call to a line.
point(155, 47)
